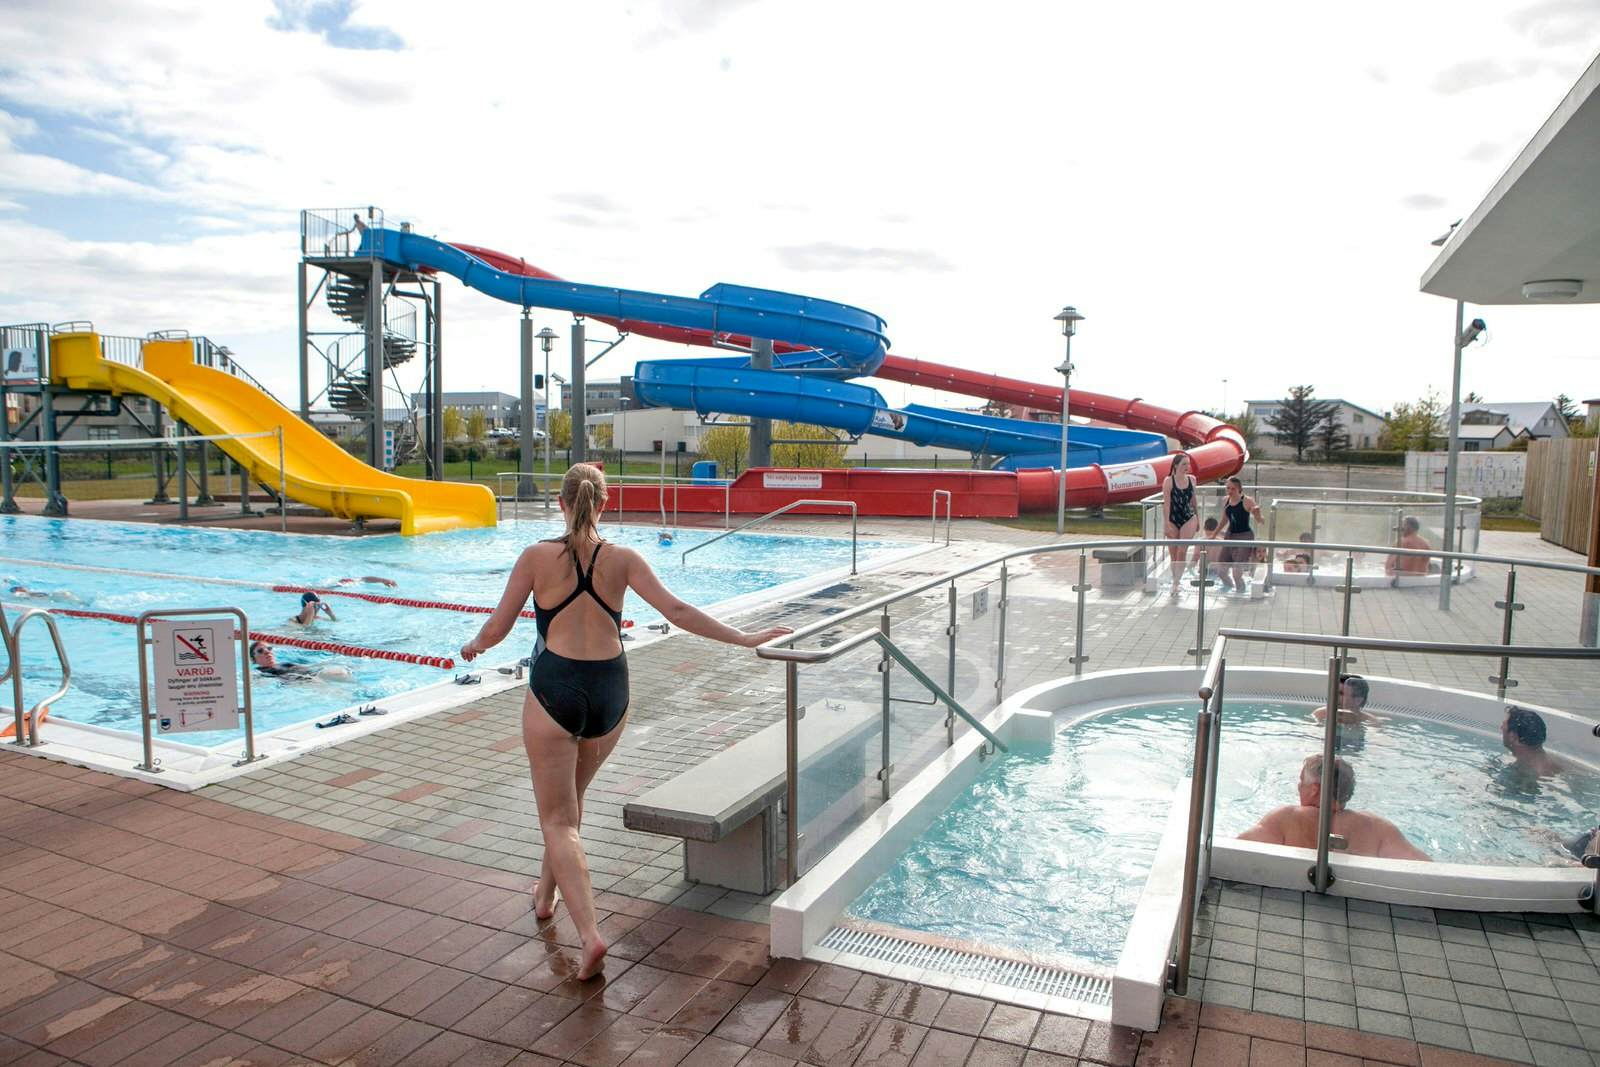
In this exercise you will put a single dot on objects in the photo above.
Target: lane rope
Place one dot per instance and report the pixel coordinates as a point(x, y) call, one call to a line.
point(371, 598)
point(311, 644)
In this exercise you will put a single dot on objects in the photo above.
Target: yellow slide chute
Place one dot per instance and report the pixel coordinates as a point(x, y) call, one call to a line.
point(316, 470)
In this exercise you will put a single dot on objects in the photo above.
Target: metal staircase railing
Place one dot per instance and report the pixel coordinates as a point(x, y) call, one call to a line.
point(851, 504)
point(26, 723)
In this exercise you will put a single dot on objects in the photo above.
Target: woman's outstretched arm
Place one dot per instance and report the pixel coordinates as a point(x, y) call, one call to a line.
point(642, 580)
point(518, 588)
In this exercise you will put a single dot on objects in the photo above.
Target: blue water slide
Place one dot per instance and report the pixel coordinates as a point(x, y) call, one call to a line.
point(850, 337)
point(845, 341)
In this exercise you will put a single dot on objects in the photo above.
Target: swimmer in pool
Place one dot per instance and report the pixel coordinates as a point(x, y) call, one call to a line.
point(266, 661)
point(1297, 560)
point(1523, 733)
point(311, 605)
point(25, 593)
point(370, 579)
point(1364, 834)
point(664, 537)
point(1353, 690)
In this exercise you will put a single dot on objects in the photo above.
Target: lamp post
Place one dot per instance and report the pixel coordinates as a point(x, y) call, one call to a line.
point(1069, 319)
point(622, 436)
point(1465, 334)
point(547, 341)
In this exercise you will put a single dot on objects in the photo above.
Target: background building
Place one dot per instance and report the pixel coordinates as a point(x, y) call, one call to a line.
point(1362, 426)
point(1537, 418)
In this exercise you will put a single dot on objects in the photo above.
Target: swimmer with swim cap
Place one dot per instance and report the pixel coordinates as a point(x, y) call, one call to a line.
point(310, 606)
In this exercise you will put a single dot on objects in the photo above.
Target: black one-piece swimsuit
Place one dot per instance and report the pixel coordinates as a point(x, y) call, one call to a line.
point(586, 697)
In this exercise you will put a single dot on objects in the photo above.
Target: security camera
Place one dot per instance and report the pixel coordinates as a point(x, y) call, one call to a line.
point(1470, 334)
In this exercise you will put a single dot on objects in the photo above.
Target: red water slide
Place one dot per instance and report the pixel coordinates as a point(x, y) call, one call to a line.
point(1216, 449)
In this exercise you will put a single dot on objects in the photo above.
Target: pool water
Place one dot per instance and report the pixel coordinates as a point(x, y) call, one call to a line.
point(463, 566)
point(1049, 851)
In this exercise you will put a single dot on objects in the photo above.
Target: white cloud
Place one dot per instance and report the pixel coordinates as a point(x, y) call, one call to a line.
point(1208, 185)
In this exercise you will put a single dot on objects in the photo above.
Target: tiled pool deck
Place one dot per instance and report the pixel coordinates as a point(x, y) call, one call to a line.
point(366, 904)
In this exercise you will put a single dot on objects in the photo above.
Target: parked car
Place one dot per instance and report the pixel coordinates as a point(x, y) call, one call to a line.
point(502, 432)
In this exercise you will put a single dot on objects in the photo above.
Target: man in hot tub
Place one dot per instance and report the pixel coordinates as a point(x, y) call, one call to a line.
point(1364, 834)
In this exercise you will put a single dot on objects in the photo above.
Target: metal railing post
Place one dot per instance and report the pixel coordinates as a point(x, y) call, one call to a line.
point(851, 504)
point(1215, 756)
point(1461, 526)
point(1200, 651)
point(791, 765)
point(1000, 650)
point(1311, 568)
point(950, 630)
point(1508, 607)
point(1191, 858)
point(1321, 875)
point(1079, 657)
point(933, 515)
point(1349, 590)
point(283, 488)
point(885, 768)
point(1272, 554)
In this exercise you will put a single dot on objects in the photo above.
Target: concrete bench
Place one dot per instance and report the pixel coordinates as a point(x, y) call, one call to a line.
point(1120, 568)
point(726, 809)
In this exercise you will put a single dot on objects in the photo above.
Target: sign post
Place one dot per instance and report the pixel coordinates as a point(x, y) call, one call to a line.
point(193, 672)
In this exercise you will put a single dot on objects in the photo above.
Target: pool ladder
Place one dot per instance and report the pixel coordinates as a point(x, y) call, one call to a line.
point(26, 724)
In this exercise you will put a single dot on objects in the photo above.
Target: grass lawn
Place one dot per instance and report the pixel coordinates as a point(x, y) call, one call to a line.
point(1515, 523)
point(1121, 521)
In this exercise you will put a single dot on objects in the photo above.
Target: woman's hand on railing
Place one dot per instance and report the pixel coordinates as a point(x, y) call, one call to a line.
point(760, 637)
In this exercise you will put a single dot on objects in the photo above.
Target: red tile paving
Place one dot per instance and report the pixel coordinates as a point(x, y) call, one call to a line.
point(148, 927)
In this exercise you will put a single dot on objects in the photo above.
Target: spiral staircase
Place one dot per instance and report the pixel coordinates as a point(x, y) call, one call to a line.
point(350, 391)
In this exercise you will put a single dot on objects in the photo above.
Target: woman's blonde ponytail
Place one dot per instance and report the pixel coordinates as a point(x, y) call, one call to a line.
point(583, 491)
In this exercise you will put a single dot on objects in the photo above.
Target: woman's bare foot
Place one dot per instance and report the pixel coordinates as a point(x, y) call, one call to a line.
point(594, 960)
point(545, 900)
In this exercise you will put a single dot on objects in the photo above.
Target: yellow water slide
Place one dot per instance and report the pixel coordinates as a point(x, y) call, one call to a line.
point(316, 470)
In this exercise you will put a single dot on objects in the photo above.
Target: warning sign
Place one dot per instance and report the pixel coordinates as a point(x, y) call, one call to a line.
point(196, 675)
point(791, 479)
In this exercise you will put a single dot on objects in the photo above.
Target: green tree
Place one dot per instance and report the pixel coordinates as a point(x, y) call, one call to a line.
point(477, 426)
point(1473, 397)
point(820, 448)
point(1297, 418)
point(1247, 426)
point(1418, 425)
point(559, 425)
point(453, 424)
point(1331, 435)
point(1569, 411)
point(602, 435)
point(728, 445)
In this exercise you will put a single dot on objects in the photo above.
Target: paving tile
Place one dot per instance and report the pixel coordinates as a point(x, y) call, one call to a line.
point(1505, 1046)
point(1060, 1034)
point(892, 1044)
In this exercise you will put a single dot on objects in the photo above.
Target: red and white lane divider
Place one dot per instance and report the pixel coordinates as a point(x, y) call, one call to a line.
point(444, 663)
point(371, 598)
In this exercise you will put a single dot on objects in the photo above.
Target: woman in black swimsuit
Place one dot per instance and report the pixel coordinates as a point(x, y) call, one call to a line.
point(578, 688)
point(1237, 558)
point(1178, 511)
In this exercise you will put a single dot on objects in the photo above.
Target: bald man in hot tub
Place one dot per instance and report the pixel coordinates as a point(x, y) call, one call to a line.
point(1364, 834)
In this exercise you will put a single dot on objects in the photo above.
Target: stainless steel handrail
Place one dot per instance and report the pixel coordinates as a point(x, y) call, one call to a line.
point(621, 481)
point(851, 504)
point(1396, 644)
point(933, 514)
point(780, 648)
point(35, 715)
point(1423, 495)
point(1385, 505)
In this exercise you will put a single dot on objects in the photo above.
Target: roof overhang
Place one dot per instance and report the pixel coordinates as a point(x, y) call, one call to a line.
point(1541, 221)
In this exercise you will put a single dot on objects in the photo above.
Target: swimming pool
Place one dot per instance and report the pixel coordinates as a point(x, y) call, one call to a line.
point(463, 566)
point(1048, 851)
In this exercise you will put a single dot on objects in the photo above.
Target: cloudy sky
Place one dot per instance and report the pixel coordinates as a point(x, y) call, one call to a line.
point(1240, 191)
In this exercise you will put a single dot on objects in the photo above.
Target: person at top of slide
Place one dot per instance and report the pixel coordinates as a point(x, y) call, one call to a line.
point(311, 605)
point(1237, 509)
point(1178, 512)
point(578, 696)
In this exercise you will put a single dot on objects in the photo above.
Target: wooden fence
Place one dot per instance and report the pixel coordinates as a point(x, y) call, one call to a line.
point(1559, 489)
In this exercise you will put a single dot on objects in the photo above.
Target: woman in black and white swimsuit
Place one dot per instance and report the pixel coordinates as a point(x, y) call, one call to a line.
point(577, 697)
point(1178, 511)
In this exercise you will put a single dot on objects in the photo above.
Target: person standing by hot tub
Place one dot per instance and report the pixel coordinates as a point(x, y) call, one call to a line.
point(1238, 559)
point(1182, 521)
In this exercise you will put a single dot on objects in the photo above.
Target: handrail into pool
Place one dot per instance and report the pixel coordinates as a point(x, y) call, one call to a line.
point(26, 725)
point(933, 515)
point(785, 648)
point(851, 504)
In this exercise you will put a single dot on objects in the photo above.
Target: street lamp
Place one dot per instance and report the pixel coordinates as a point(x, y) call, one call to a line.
point(1464, 336)
point(1069, 319)
point(547, 341)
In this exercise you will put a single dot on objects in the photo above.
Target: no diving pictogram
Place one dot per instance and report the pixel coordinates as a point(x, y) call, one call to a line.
point(193, 646)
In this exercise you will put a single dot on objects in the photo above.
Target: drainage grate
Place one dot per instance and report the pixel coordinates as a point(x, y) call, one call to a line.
point(1090, 989)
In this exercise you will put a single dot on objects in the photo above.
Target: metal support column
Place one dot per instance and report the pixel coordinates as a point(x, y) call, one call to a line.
point(525, 411)
point(8, 502)
point(158, 459)
point(1452, 462)
point(374, 324)
point(204, 499)
point(580, 396)
point(55, 504)
point(791, 766)
point(1000, 640)
point(1349, 590)
point(1079, 657)
point(760, 429)
point(1509, 606)
point(952, 627)
point(436, 386)
point(305, 348)
point(183, 474)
